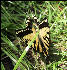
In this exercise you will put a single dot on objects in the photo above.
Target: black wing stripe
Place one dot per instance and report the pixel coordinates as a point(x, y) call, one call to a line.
point(23, 33)
point(43, 25)
point(47, 39)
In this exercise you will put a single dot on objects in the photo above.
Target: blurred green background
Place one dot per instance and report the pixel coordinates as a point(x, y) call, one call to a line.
point(13, 17)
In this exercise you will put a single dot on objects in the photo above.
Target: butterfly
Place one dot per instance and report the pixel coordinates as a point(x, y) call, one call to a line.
point(41, 43)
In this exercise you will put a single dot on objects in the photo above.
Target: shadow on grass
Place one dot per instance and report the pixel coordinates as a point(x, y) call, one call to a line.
point(51, 57)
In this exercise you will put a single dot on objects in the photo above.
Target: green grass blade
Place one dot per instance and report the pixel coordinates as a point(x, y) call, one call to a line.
point(8, 54)
point(6, 40)
point(50, 16)
point(2, 66)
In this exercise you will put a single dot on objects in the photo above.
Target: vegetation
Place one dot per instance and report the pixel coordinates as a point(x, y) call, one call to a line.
point(13, 17)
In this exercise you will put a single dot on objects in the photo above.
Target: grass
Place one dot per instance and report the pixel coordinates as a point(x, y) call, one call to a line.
point(13, 17)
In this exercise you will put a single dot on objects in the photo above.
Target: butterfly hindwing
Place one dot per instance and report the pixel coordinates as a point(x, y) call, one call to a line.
point(43, 36)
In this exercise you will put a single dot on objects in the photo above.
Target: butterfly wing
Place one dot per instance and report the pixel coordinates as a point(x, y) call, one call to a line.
point(44, 36)
point(44, 39)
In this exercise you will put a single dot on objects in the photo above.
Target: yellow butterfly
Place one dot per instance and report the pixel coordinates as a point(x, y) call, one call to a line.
point(41, 43)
